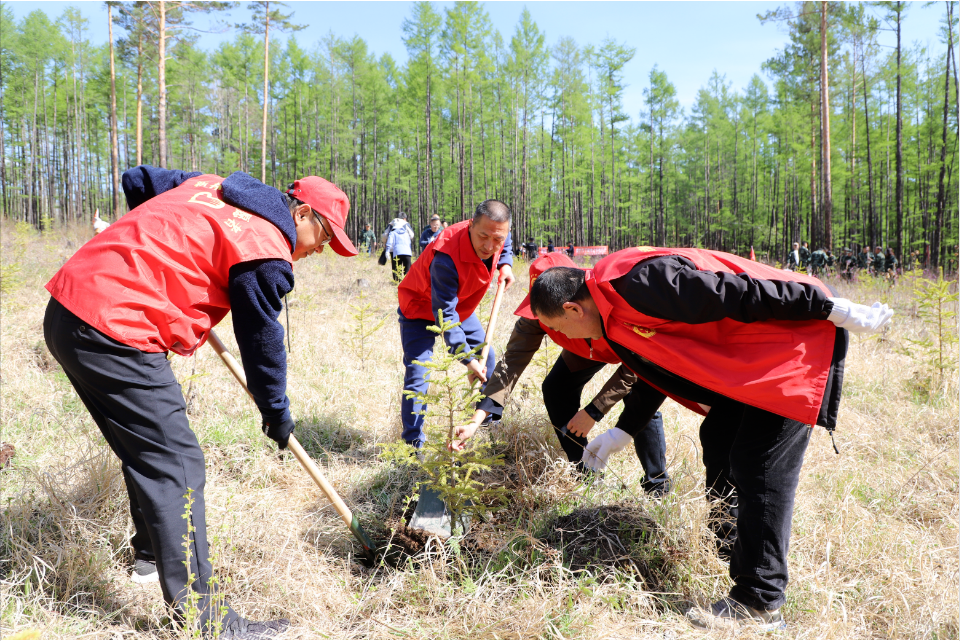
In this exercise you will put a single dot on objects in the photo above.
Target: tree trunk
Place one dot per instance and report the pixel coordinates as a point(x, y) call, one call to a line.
point(871, 214)
point(114, 136)
point(941, 193)
point(813, 172)
point(266, 92)
point(899, 141)
point(661, 222)
point(614, 241)
point(854, 185)
point(827, 213)
point(431, 206)
point(140, 99)
point(162, 86)
point(32, 192)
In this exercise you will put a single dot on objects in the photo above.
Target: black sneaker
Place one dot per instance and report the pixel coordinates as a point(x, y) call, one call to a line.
point(657, 489)
point(144, 572)
point(587, 477)
point(727, 614)
point(241, 628)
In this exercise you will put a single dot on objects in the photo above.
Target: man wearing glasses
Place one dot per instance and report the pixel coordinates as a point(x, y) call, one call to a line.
point(193, 248)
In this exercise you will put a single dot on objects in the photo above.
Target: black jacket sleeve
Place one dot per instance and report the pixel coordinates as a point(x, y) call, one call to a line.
point(257, 289)
point(425, 237)
point(672, 288)
point(143, 182)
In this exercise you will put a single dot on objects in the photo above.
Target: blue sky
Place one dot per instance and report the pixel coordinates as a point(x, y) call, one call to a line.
point(687, 40)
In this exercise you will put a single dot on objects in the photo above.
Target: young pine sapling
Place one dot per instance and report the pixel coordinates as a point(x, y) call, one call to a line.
point(365, 326)
point(448, 403)
point(937, 308)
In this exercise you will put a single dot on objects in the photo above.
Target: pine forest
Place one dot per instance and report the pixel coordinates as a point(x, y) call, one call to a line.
point(836, 140)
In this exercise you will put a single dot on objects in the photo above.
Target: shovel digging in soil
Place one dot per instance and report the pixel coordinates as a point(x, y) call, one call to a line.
point(369, 550)
point(431, 514)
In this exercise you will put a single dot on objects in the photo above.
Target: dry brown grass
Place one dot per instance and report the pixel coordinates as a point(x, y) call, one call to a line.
point(874, 551)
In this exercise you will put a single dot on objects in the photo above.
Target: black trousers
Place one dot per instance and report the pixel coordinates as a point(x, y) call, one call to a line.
point(717, 433)
point(561, 394)
point(137, 403)
point(400, 262)
point(753, 459)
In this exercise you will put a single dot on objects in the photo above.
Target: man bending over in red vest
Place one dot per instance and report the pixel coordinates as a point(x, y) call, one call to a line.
point(760, 346)
point(580, 361)
point(451, 275)
point(193, 248)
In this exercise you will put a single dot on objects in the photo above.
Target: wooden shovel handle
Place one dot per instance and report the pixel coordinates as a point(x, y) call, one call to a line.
point(293, 444)
point(488, 337)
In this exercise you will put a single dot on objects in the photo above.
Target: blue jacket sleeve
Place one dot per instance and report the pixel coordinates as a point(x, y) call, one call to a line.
point(391, 245)
point(143, 182)
point(257, 289)
point(506, 256)
point(444, 289)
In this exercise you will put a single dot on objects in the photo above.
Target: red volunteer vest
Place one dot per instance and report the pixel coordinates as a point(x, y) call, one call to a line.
point(157, 279)
point(579, 346)
point(779, 366)
point(474, 277)
point(602, 353)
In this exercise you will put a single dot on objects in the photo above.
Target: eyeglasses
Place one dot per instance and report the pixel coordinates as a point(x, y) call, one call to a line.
point(328, 234)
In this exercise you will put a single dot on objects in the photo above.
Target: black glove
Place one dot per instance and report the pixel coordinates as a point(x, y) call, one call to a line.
point(279, 430)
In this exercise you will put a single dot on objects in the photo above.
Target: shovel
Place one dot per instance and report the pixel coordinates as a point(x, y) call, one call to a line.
point(369, 550)
point(431, 514)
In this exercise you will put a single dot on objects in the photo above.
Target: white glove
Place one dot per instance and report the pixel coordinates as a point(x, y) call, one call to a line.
point(597, 451)
point(858, 318)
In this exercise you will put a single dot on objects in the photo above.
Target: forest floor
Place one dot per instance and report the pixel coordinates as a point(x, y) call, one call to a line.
point(874, 552)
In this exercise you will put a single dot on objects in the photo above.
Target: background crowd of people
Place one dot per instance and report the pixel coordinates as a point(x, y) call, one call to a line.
point(396, 242)
point(849, 263)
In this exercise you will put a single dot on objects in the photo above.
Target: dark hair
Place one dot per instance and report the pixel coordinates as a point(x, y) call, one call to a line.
point(291, 202)
point(556, 286)
point(495, 210)
point(401, 215)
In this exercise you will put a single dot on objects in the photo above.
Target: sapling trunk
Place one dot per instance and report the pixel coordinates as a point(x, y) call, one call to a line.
point(449, 402)
point(366, 324)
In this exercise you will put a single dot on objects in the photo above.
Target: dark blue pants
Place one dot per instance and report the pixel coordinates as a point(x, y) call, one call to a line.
point(137, 403)
point(754, 457)
point(418, 344)
point(561, 393)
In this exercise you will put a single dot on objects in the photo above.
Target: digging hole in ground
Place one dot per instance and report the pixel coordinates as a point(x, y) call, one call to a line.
point(613, 538)
point(396, 542)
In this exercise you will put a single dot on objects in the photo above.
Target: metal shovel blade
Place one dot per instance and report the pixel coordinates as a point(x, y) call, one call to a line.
point(433, 517)
point(431, 514)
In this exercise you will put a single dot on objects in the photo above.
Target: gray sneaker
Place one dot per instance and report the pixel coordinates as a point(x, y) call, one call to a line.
point(144, 572)
point(727, 614)
point(242, 628)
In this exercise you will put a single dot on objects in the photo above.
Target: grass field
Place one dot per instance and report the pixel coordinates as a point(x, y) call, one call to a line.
point(875, 533)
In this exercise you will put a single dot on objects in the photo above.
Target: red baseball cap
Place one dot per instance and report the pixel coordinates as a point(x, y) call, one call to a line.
point(326, 199)
point(537, 267)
